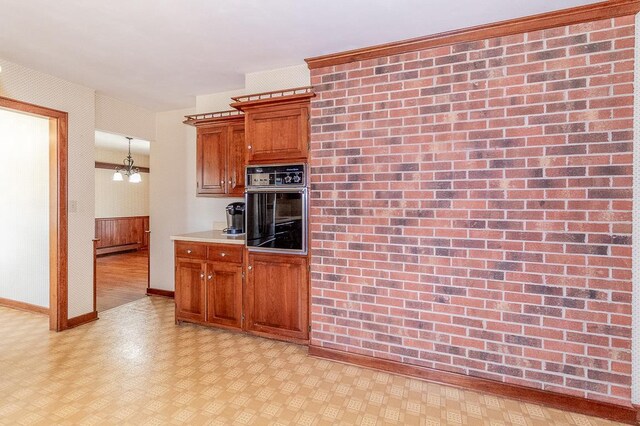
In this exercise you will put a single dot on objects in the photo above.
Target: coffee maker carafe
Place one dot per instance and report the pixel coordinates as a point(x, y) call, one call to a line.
point(235, 218)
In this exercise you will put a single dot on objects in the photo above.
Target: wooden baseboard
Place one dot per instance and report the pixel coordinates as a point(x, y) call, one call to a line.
point(159, 292)
point(82, 319)
point(118, 249)
point(28, 307)
point(620, 413)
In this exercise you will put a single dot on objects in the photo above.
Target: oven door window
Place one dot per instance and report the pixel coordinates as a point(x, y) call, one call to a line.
point(275, 220)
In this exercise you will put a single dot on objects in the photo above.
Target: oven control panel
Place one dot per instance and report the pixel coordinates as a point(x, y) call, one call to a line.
point(277, 175)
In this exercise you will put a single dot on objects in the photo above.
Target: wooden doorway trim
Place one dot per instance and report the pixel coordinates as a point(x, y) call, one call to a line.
point(58, 213)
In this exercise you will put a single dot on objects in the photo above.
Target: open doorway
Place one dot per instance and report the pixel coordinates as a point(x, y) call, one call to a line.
point(121, 220)
point(49, 186)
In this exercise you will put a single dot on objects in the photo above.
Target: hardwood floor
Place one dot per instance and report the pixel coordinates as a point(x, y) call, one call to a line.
point(121, 278)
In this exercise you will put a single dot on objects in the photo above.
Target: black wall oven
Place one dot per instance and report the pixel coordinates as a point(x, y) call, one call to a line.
point(276, 208)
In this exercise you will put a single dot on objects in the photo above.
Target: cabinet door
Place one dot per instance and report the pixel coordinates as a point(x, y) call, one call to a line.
point(278, 133)
point(190, 290)
point(210, 160)
point(236, 160)
point(224, 294)
point(277, 296)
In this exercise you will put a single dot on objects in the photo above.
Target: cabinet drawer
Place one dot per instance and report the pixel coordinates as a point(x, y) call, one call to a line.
point(191, 250)
point(224, 253)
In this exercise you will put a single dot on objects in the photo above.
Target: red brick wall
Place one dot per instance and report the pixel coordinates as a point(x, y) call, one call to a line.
point(471, 208)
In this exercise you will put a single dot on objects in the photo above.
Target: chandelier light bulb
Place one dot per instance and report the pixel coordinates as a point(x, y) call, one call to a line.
point(135, 178)
point(117, 176)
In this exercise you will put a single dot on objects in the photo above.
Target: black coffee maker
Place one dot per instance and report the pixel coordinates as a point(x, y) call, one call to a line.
point(235, 218)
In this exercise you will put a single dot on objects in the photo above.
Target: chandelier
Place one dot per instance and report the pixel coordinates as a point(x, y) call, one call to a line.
point(132, 173)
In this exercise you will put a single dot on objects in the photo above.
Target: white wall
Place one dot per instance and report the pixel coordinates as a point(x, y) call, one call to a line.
point(24, 208)
point(175, 209)
point(27, 85)
point(167, 193)
point(120, 199)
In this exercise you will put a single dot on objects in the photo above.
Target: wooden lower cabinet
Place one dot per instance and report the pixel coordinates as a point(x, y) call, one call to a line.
point(190, 290)
point(224, 294)
point(277, 294)
point(211, 289)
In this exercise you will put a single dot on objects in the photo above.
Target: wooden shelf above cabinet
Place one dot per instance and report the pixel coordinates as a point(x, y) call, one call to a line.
point(213, 117)
point(296, 94)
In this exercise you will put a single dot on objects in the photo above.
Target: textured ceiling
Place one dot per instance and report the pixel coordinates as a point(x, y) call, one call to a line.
point(160, 54)
point(119, 143)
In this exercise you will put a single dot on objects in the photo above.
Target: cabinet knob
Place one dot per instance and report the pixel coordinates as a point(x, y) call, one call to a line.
point(223, 254)
point(201, 274)
point(229, 182)
point(222, 182)
point(249, 147)
point(188, 251)
point(249, 267)
point(209, 277)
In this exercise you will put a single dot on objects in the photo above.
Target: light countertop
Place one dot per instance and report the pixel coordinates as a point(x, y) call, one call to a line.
point(212, 236)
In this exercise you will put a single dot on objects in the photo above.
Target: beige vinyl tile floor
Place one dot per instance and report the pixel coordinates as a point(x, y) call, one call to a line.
point(135, 366)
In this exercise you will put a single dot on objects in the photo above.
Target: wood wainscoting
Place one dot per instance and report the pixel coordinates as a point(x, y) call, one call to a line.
point(619, 413)
point(117, 234)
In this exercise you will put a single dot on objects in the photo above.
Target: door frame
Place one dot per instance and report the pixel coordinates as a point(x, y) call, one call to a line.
point(58, 210)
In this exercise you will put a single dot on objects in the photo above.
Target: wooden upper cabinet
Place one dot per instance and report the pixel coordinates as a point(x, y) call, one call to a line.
point(236, 160)
point(277, 133)
point(211, 160)
point(277, 125)
point(220, 153)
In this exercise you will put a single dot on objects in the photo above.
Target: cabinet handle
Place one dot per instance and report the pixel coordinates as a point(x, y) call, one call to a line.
point(249, 267)
point(209, 277)
point(222, 182)
point(188, 251)
point(201, 275)
point(229, 182)
point(223, 254)
point(249, 147)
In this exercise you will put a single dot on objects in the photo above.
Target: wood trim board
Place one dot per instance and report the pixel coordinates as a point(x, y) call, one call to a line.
point(160, 292)
point(22, 306)
point(82, 319)
point(571, 16)
point(624, 414)
point(95, 275)
point(58, 206)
